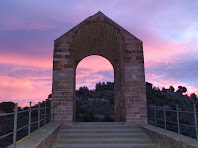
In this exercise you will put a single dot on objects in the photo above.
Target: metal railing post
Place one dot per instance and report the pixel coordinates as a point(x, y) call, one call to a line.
point(39, 115)
point(15, 125)
point(49, 112)
point(195, 116)
point(155, 116)
point(178, 129)
point(147, 114)
point(53, 112)
point(164, 117)
point(45, 114)
point(29, 125)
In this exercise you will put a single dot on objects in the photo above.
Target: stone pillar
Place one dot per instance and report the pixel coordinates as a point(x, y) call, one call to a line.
point(63, 82)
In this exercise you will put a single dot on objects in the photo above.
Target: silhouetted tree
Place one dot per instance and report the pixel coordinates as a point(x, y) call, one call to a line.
point(156, 88)
point(26, 108)
point(83, 90)
point(181, 89)
point(149, 86)
point(104, 86)
point(172, 89)
point(193, 96)
point(98, 86)
point(49, 96)
point(110, 85)
point(184, 89)
point(7, 107)
point(163, 89)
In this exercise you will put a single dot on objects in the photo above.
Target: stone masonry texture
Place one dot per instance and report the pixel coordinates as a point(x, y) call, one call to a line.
point(99, 35)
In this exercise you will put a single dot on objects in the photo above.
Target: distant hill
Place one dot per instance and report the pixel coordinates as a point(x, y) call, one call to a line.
point(170, 99)
point(95, 105)
point(166, 99)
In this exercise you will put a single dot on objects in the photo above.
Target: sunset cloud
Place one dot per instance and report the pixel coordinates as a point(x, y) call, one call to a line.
point(93, 69)
point(179, 72)
point(98, 63)
point(30, 61)
point(25, 82)
point(25, 90)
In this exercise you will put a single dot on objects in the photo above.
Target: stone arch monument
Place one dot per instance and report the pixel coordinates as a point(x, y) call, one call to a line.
point(99, 35)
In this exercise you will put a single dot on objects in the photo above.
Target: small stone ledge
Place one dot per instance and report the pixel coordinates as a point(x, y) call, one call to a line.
point(168, 139)
point(43, 138)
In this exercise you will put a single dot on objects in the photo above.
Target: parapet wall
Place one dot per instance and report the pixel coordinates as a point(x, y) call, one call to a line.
point(45, 137)
point(168, 139)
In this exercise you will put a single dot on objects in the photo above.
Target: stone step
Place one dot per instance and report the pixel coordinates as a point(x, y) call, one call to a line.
point(98, 123)
point(104, 141)
point(101, 130)
point(100, 127)
point(103, 135)
point(105, 146)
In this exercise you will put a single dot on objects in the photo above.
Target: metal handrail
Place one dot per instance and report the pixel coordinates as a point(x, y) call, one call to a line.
point(16, 112)
point(34, 109)
point(42, 108)
point(6, 114)
point(186, 125)
point(177, 122)
point(22, 127)
point(6, 135)
point(23, 111)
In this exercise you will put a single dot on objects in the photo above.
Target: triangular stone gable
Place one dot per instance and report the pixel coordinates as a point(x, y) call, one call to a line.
point(100, 17)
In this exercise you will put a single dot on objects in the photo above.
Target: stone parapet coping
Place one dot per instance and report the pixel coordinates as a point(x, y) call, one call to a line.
point(43, 138)
point(168, 139)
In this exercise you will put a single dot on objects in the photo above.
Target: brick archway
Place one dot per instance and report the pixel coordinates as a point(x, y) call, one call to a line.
point(99, 35)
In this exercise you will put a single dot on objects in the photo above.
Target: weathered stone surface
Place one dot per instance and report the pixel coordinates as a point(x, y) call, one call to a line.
point(168, 139)
point(99, 35)
point(43, 138)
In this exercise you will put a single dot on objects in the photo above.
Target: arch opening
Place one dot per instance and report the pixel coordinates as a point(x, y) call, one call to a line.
point(94, 101)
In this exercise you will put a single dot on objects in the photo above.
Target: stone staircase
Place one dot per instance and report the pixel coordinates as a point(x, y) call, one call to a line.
point(102, 135)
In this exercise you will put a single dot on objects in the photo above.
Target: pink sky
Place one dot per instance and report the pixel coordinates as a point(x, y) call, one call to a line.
point(168, 29)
